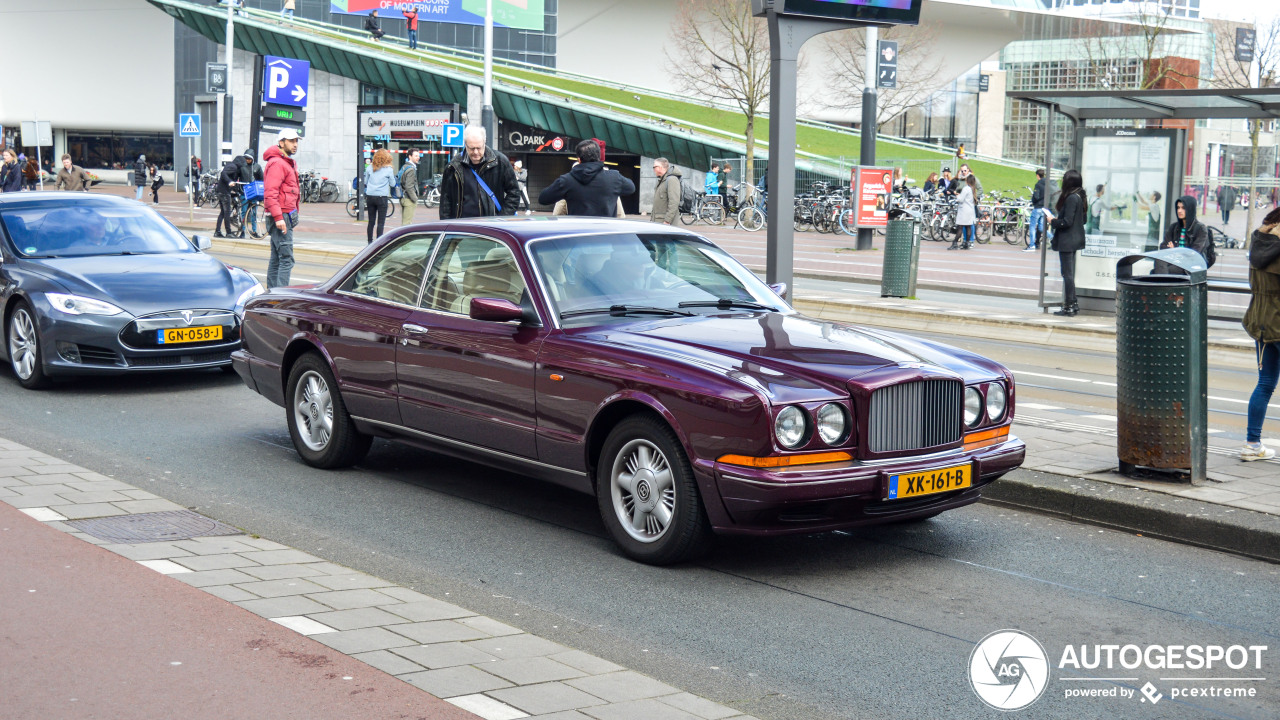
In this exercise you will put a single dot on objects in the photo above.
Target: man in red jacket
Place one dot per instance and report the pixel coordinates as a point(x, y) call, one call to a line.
point(280, 198)
point(411, 20)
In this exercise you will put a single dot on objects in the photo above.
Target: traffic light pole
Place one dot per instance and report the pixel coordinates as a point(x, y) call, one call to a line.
point(227, 102)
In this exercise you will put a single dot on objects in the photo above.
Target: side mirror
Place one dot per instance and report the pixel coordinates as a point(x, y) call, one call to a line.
point(203, 242)
point(495, 310)
point(779, 289)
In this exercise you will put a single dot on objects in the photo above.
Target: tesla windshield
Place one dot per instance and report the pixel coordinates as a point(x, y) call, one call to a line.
point(47, 230)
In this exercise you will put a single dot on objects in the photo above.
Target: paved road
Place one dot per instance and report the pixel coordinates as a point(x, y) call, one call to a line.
point(844, 625)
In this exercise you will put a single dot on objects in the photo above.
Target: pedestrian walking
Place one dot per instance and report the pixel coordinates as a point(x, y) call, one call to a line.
point(1041, 199)
point(408, 180)
point(966, 215)
point(589, 189)
point(157, 182)
point(1227, 198)
point(286, 12)
point(371, 25)
point(72, 177)
point(1262, 322)
point(378, 180)
point(1068, 223)
point(280, 194)
point(31, 174)
point(411, 22)
point(194, 167)
point(479, 181)
point(139, 177)
point(228, 179)
point(666, 196)
point(10, 172)
point(522, 181)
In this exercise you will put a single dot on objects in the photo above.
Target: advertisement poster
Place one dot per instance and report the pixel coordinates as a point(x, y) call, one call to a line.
point(871, 196)
point(523, 14)
point(404, 125)
point(1126, 176)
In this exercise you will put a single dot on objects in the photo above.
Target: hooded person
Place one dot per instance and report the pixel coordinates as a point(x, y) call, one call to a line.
point(589, 189)
point(139, 176)
point(1185, 231)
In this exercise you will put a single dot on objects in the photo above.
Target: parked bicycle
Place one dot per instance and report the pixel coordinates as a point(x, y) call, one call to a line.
point(707, 208)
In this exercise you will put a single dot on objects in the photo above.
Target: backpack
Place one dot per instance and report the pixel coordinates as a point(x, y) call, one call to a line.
point(1210, 250)
point(688, 195)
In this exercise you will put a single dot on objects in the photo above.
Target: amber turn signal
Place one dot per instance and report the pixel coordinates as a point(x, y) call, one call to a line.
point(785, 460)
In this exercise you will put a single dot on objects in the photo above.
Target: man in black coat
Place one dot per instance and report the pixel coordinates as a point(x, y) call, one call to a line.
point(232, 173)
point(589, 188)
point(139, 176)
point(479, 181)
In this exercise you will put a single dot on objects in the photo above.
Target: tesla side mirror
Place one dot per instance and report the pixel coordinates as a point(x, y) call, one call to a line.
point(779, 289)
point(202, 242)
point(495, 310)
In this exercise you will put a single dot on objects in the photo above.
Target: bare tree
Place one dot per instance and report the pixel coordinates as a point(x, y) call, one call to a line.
point(919, 64)
point(1147, 39)
point(720, 52)
point(1233, 73)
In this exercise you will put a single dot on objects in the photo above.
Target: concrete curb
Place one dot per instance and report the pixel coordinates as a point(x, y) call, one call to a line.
point(1026, 330)
point(1129, 509)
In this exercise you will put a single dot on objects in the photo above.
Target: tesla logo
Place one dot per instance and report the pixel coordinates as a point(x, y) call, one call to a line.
point(186, 316)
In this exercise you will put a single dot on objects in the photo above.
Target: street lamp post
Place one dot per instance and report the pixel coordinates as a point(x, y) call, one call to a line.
point(226, 97)
point(486, 111)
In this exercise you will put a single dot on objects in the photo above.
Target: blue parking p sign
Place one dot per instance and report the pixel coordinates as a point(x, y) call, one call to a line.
point(285, 80)
point(451, 135)
point(188, 125)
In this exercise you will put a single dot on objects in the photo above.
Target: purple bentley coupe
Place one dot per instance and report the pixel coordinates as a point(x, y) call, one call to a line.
point(636, 362)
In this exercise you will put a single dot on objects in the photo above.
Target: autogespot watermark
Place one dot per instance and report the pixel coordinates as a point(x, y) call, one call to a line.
point(1009, 670)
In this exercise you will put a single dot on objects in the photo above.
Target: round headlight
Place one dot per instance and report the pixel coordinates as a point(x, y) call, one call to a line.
point(791, 427)
point(997, 400)
point(972, 407)
point(833, 424)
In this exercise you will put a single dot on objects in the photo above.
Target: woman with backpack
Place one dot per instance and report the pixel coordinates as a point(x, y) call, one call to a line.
point(378, 180)
point(1068, 239)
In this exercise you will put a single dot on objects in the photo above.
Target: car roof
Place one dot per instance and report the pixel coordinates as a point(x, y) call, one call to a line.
point(527, 229)
point(11, 201)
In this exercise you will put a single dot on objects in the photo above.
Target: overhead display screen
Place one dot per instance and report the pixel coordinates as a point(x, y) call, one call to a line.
point(895, 12)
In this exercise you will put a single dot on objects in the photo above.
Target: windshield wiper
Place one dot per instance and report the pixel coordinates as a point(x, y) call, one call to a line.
point(727, 304)
point(621, 310)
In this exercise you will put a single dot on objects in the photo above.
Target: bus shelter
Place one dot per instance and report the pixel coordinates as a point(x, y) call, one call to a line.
point(1132, 175)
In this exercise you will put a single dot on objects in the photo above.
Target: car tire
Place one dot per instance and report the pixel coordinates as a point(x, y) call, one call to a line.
point(642, 452)
point(26, 355)
point(322, 431)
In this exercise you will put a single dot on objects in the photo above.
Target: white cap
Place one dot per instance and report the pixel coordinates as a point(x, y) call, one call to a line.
point(287, 134)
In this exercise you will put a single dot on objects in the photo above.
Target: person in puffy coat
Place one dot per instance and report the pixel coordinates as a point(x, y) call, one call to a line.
point(10, 172)
point(1262, 322)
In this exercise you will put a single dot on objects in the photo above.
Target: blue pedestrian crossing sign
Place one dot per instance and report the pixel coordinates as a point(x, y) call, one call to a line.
point(188, 125)
point(451, 136)
point(285, 80)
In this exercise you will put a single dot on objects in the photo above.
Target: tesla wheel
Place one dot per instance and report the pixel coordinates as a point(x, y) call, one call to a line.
point(25, 354)
point(319, 425)
point(647, 494)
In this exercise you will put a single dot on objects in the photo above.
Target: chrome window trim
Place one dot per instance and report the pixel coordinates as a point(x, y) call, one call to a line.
point(469, 446)
point(446, 235)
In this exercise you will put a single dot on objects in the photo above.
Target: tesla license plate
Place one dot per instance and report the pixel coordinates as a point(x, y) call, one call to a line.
point(170, 336)
point(928, 482)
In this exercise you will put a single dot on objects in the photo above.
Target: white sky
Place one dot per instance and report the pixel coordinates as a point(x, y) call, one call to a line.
point(1260, 10)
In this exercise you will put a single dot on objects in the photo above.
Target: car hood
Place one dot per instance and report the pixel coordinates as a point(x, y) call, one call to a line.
point(789, 354)
point(142, 284)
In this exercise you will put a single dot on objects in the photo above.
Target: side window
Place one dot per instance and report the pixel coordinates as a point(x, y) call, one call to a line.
point(395, 273)
point(470, 267)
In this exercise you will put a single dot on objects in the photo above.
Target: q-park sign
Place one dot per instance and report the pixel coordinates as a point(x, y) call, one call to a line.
point(285, 80)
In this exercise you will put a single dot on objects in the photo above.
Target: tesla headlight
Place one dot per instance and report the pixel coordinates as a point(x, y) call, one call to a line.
point(997, 401)
point(833, 424)
point(791, 427)
point(247, 295)
point(972, 407)
point(77, 305)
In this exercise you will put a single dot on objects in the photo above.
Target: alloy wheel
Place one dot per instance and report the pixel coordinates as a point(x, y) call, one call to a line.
point(643, 490)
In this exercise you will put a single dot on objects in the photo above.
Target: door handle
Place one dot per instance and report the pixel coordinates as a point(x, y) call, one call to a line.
point(417, 329)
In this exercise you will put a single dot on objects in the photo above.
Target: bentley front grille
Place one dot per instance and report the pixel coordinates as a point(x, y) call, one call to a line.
point(916, 415)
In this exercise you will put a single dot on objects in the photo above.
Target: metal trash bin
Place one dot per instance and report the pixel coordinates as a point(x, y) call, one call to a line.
point(901, 255)
point(1162, 365)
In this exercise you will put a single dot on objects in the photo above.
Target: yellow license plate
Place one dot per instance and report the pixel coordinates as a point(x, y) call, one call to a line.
point(928, 482)
point(170, 336)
